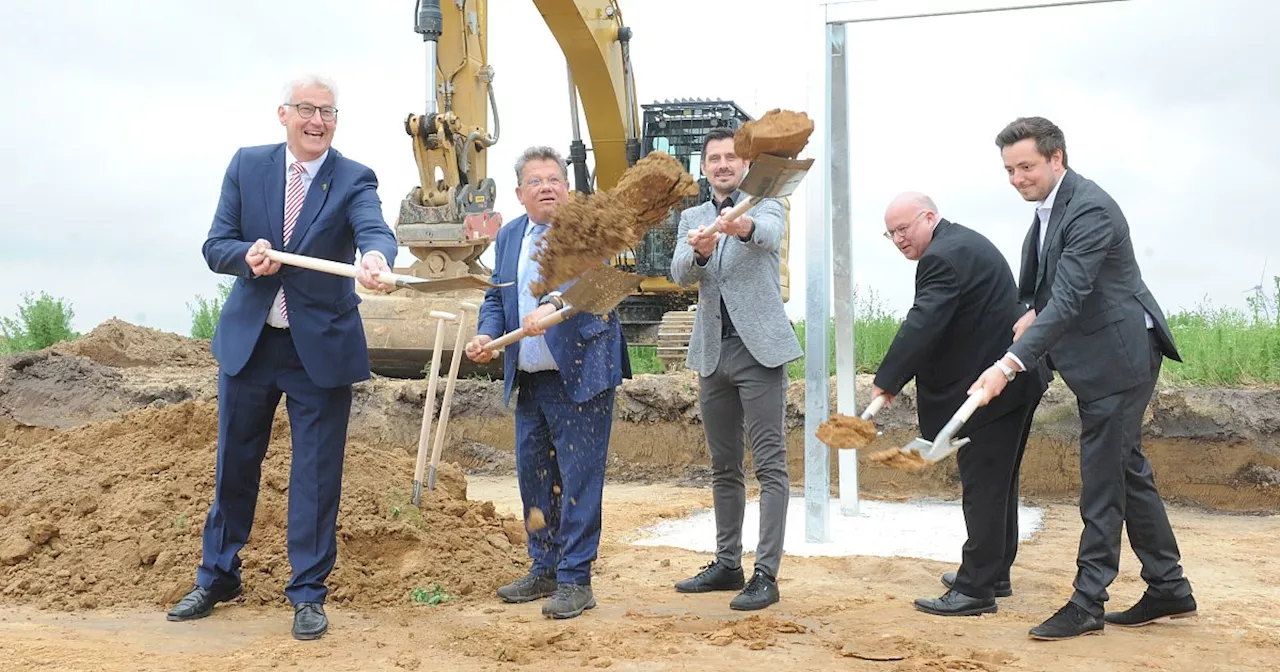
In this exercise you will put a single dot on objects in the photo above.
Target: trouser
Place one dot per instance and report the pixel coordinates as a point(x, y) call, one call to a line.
point(561, 450)
point(1118, 489)
point(318, 420)
point(989, 469)
point(741, 392)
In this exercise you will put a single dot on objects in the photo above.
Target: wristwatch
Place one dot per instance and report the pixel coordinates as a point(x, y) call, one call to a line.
point(1008, 371)
point(554, 299)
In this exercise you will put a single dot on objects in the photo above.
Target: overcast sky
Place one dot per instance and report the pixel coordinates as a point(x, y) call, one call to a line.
point(123, 115)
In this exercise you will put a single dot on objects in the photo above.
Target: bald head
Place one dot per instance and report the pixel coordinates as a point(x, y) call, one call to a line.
point(909, 222)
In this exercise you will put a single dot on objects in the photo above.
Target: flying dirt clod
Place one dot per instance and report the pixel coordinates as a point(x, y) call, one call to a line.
point(588, 230)
point(779, 132)
point(844, 431)
point(894, 458)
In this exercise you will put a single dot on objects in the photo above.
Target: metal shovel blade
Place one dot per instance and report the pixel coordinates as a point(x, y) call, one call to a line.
point(600, 290)
point(774, 177)
point(943, 444)
point(432, 285)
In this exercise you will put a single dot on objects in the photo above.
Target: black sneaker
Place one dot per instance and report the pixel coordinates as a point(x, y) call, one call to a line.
point(569, 601)
point(528, 588)
point(1150, 610)
point(714, 576)
point(761, 592)
point(1070, 621)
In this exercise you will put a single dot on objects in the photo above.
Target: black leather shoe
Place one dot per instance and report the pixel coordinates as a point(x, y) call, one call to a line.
point(528, 588)
point(954, 603)
point(760, 592)
point(1070, 621)
point(309, 621)
point(1150, 610)
point(714, 576)
point(569, 601)
point(200, 601)
point(1001, 588)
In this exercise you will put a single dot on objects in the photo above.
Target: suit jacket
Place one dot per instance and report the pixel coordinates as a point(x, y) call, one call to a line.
point(745, 274)
point(966, 304)
point(341, 213)
point(589, 349)
point(1089, 296)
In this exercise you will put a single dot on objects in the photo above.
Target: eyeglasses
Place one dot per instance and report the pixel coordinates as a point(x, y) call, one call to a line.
point(901, 231)
point(536, 182)
point(307, 110)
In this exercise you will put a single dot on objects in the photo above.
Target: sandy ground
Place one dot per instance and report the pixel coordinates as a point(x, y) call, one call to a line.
point(832, 611)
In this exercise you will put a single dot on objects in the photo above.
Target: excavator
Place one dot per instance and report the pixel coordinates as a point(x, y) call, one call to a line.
point(447, 220)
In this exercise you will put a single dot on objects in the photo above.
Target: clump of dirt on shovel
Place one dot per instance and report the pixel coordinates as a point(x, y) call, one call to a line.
point(588, 230)
point(845, 431)
point(779, 133)
point(894, 458)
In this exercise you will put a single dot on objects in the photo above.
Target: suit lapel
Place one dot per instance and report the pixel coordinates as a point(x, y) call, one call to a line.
point(1029, 278)
point(273, 192)
point(317, 194)
point(511, 269)
point(1060, 203)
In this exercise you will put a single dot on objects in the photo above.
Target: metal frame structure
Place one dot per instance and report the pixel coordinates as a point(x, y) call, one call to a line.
point(831, 236)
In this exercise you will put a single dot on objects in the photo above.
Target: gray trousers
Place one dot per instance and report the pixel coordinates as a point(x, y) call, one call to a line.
point(744, 392)
point(1118, 489)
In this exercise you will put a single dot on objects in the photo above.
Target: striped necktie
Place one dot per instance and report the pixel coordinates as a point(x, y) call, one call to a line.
point(294, 196)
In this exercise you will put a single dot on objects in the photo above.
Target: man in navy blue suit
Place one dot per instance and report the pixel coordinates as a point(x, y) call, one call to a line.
point(292, 332)
point(566, 376)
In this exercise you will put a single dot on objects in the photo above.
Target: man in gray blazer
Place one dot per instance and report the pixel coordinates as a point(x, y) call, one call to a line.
point(1089, 313)
point(742, 341)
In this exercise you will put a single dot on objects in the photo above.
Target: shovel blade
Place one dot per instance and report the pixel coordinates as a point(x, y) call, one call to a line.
point(433, 285)
point(774, 177)
point(934, 453)
point(600, 290)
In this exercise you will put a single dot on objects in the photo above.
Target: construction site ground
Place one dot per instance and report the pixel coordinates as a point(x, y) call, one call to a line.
point(106, 470)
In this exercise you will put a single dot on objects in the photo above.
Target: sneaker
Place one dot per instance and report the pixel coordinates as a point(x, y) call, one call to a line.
point(715, 576)
point(760, 592)
point(528, 588)
point(569, 601)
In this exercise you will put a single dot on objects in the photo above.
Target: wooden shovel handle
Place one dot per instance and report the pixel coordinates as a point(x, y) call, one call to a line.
point(513, 336)
point(335, 268)
point(737, 211)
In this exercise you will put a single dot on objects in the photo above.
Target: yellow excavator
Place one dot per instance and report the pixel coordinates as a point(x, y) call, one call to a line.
point(447, 221)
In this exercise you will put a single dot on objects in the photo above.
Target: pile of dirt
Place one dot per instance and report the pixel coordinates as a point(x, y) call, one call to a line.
point(779, 133)
point(111, 514)
point(122, 345)
point(588, 230)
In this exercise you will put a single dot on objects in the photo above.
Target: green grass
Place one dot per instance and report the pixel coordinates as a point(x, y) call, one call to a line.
point(1219, 346)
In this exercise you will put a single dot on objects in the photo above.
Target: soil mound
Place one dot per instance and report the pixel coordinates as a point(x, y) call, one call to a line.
point(120, 344)
point(111, 514)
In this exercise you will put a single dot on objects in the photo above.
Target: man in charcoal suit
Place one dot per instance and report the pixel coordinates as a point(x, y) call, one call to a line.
point(1090, 316)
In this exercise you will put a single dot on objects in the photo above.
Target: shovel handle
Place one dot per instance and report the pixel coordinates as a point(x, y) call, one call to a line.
point(962, 416)
point(737, 211)
point(873, 407)
point(336, 268)
point(513, 336)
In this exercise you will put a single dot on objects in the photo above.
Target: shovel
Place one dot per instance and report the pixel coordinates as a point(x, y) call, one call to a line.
point(596, 291)
point(844, 432)
point(944, 443)
point(769, 177)
point(447, 403)
point(427, 285)
point(428, 410)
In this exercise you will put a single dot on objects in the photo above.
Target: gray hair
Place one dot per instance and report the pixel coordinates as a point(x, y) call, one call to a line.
point(310, 80)
point(539, 153)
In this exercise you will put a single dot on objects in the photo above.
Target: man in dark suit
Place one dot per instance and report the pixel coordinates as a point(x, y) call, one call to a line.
point(566, 376)
point(1091, 318)
point(965, 306)
point(288, 331)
